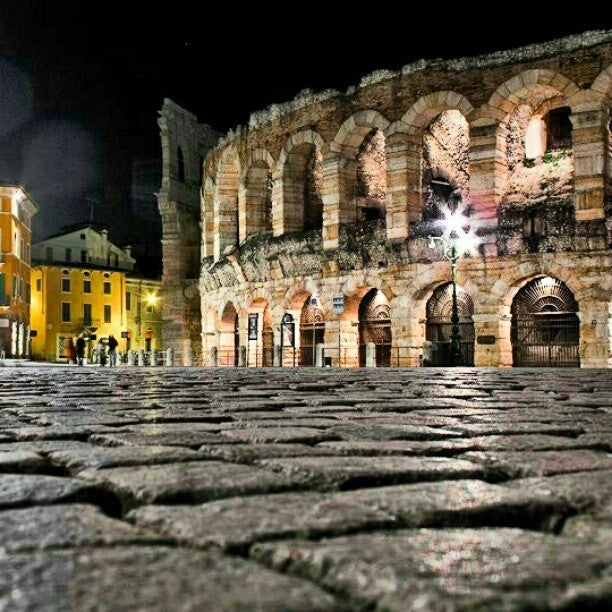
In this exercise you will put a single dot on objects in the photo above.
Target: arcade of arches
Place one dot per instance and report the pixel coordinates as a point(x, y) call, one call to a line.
point(337, 195)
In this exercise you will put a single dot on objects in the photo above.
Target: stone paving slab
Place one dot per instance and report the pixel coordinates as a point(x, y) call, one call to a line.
point(150, 578)
point(63, 526)
point(18, 490)
point(21, 461)
point(189, 482)
point(430, 568)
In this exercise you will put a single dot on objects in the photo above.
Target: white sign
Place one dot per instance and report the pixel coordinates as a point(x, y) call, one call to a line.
point(338, 303)
point(4, 323)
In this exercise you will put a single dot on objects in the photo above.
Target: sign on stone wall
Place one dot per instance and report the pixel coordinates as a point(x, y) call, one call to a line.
point(338, 303)
point(253, 324)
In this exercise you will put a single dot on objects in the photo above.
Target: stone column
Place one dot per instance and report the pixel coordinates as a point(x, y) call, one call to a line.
point(397, 186)
point(487, 175)
point(595, 333)
point(169, 356)
point(486, 342)
point(277, 356)
point(242, 357)
point(214, 356)
point(589, 139)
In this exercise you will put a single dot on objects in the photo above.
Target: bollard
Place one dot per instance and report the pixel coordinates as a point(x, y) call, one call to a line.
point(214, 356)
point(141, 358)
point(169, 356)
point(242, 356)
point(187, 357)
point(319, 355)
point(370, 357)
point(153, 358)
point(277, 357)
point(130, 358)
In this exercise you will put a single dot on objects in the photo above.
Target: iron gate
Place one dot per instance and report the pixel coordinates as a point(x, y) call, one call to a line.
point(546, 339)
point(375, 326)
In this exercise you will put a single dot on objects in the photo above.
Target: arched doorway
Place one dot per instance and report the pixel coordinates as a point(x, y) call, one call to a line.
point(439, 326)
point(545, 326)
point(312, 330)
point(229, 337)
point(375, 326)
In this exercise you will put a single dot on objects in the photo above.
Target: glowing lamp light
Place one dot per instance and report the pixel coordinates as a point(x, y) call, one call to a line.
point(151, 299)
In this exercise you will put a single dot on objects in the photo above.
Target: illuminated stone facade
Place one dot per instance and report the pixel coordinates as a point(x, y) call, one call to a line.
point(338, 193)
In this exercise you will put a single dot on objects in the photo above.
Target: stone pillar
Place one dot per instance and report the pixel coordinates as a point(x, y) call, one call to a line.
point(168, 361)
point(414, 197)
point(130, 358)
point(487, 175)
point(141, 358)
point(277, 356)
point(278, 226)
point(397, 186)
point(242, 357)
point(370, 356)
point(320, 351)
point(589, 140)
point(595, 333)
point(153, 358)
point(486, 341)
point(214, 356)
point(187, 356)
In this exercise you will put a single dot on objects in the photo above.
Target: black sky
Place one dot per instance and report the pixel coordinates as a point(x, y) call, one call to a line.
point(98, 72)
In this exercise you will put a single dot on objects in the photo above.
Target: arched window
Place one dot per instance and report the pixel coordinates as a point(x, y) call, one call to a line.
point(180, 160)
point(312, 330)
point(229, 336)
point(371, 179)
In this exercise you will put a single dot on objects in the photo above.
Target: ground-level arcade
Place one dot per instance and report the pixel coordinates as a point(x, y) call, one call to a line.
point(532, 310)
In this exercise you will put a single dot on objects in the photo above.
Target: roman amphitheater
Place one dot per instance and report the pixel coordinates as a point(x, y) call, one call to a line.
point(305, 238)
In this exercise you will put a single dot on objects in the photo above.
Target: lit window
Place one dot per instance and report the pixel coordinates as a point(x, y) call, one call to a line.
point(66, 285)
point(107, 288)
point(107, 313)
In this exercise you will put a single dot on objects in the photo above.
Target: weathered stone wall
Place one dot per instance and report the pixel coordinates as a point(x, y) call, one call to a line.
point(464, 121)
point(179, 206)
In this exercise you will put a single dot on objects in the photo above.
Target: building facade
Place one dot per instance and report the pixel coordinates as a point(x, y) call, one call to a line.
point(16, 211)
point(317, 220)
point(79, 285)
point(143, 308)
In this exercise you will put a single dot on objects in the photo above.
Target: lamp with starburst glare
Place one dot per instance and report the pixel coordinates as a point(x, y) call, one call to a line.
point(457, 239)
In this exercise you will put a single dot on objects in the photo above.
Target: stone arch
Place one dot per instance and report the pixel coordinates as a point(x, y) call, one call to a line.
point(357, 126)
point(375, 327)
point(207, 199)
point(602, 85)
point(260, 334)
point(312, 330)
point(226, 201)
point(300, 169)
point(438, 327)
point(255, 199)
point(545, 328)
point(428, 107)
point(229, 336)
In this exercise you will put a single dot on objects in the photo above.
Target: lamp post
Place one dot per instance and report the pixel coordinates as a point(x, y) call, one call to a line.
point(455, 241)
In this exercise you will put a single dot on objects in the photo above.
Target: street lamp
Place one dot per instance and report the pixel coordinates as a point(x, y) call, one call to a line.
point(457, 239)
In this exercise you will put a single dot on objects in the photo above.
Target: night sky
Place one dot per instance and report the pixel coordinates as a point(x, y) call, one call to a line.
point(81, 83)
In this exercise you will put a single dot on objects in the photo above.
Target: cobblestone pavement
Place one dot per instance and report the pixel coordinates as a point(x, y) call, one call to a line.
point(189, 489)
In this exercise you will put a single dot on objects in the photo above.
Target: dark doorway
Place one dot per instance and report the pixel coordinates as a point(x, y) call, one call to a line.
point(375, 326)
point(312, 331)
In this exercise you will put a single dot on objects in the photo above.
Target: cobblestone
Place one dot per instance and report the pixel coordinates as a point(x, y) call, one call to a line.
point(305, 489)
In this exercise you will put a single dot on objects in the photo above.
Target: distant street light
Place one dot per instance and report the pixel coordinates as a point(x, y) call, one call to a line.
point(457, 239)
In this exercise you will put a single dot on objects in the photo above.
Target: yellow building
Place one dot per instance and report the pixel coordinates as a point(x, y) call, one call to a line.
point(144, 315)
point(78, 286)
point(16, 211)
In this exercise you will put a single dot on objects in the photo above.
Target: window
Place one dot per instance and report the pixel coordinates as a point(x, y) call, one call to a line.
point(22, 252)
point(115, 260)
point(65, 312)
point(49, 255)
point(68, 254)
point(86, 286)
point(83, 256)
point(86, 315)
point(128, 301)
point(39, 284)
point(149, 308)
point(82, 236)
point(181, 165)
point(65, 285)
point(107, 288)
point(107, 313)
point(28, 293)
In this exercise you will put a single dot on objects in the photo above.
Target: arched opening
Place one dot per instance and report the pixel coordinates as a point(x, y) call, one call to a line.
point(445, 177)
point(312, 330)
point(258, 213)
point(260, 349)
point(226, 222)
point(180, 161)
point(375, 327)
point(302, 189)
point(371, 177)
point(438, 328)
point(545, 329)
point(229, 336)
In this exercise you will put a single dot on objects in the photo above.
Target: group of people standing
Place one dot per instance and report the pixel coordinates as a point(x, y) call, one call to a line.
point(76, 351)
